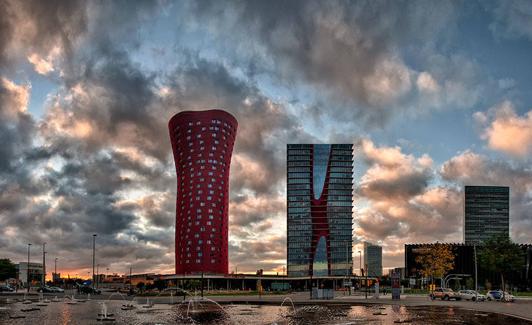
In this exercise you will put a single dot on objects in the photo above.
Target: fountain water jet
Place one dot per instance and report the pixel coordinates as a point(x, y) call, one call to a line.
point(127, 306)
point(42, 302)
point(289, 299)
point(103, 316)
point(25, 300)
point(149, 304)
point(73, 301)
point(201, 309)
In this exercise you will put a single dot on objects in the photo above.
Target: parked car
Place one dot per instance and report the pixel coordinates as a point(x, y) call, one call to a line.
point(444, 294)
point(57, 289)
point(497, 295)
point(87, 289)
point(471, 295)
point(46, 289)
point(6, 288)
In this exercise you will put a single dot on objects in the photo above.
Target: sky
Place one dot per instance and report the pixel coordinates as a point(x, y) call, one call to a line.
point(434, 95)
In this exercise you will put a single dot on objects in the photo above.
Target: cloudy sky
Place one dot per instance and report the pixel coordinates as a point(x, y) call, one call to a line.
point(434, 94)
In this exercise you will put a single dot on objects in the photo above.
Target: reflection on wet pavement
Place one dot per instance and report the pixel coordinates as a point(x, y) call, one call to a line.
point(87, 313)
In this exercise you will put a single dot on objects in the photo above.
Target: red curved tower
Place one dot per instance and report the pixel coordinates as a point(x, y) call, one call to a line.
point(202, 143)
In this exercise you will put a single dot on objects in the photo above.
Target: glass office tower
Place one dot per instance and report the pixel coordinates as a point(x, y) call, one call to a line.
point(320, 204)
point(373, 259)
point(487, 213)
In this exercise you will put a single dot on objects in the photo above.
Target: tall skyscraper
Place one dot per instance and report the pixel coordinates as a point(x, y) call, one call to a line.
point(487, 213)
point(202, 143)
point(320, 204)
point(373, 259)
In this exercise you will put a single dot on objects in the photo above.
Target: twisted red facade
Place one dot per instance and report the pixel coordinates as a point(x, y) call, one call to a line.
point(202, 143)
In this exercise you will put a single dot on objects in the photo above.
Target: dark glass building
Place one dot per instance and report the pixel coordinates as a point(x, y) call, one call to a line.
point(464, 263)
point(202, 143)
point(486, 213)
point(320, 204)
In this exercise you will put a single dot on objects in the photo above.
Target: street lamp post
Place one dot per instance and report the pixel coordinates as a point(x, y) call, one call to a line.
point(476, 284)
point(93, 256)
point(97, 275)
point(43, 265)
point(360, 261)
point(55, 269)
point(366, 267)
point(346, 258)
point(28, 269)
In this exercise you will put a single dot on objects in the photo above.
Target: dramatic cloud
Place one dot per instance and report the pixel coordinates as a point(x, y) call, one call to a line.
point(87, 89)
point(505, 130)
point(367, 77)
point(513, 19)
point(393, 174)
point(29, 29)
point(396, 204)
point(16, 125)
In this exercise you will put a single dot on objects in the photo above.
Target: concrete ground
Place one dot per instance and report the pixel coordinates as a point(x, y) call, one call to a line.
point(521, 308)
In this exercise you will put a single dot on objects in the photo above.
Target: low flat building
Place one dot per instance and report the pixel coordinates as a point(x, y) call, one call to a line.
point(147, 278)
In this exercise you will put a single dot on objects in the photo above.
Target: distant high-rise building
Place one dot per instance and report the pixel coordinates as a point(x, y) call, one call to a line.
point(487, 213)
point(202, 143)
point(373, 259)
point(320, 204)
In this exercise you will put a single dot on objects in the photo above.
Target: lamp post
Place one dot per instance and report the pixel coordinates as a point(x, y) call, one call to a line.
point(366, 267)
point(97, 275)
point(93, 256)
point(43, 282)
point(348, 267)
point(28, 269)
point(55, 269)
point(360, 260)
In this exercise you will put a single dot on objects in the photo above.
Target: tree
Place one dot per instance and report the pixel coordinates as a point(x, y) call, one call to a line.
point(435, 260)
point(500, 255)
point(469, 283)
point(141, 286)
point(7, 269)
point(159, 284)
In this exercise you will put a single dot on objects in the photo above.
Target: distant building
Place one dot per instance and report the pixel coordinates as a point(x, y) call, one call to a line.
point(56, 277)
point(146, 278)
point(319, 209)
point(373, 259)
point(35, 272)
point(113, 280)
point(398, 270)
point(486, 213)
point(202, 143)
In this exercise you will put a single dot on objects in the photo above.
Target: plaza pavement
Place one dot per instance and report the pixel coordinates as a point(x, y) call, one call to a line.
point(521, 308)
